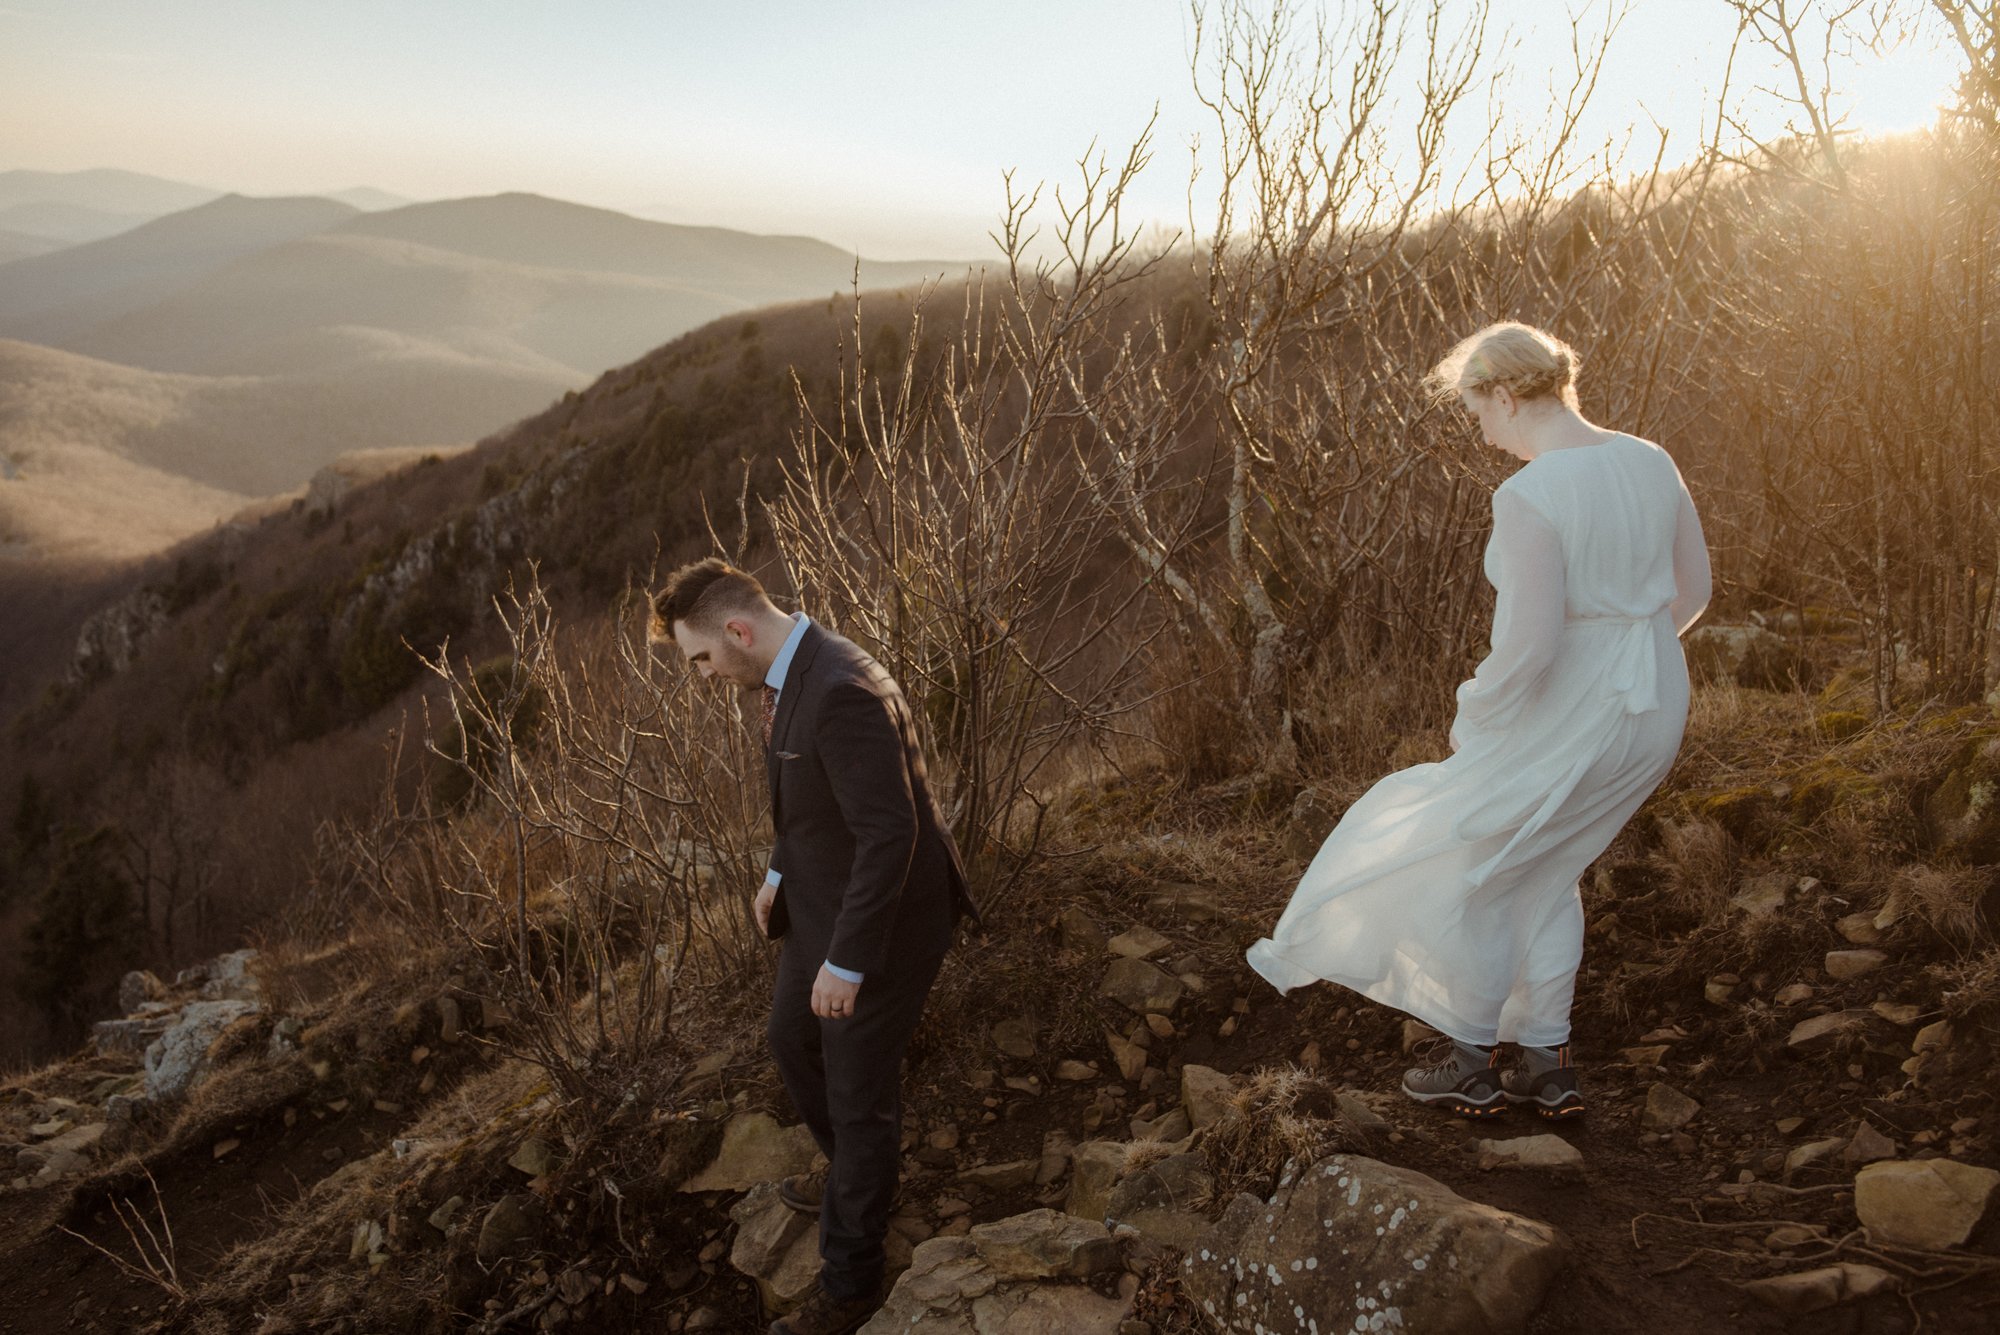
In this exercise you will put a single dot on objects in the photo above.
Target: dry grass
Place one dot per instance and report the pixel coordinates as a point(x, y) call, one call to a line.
point(1283, 1115)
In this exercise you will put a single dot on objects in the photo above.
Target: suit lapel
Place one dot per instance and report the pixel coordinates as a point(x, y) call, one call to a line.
point(789, 696)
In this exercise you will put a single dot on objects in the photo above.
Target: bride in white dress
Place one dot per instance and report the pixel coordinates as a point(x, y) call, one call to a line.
point(1449, 891)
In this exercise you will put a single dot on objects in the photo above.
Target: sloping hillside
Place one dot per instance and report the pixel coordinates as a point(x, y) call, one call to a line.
point(53, 299)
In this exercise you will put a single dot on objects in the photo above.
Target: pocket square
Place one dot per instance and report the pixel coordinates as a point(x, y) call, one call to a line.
point(788, 755)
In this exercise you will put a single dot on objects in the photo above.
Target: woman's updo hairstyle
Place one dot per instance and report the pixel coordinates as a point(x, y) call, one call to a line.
point(1529, 363)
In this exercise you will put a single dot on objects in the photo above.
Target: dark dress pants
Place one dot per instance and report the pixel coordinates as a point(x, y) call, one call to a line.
point(845, 1079)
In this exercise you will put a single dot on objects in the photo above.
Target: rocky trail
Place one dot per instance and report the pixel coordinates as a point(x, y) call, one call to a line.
point(1138, 1138)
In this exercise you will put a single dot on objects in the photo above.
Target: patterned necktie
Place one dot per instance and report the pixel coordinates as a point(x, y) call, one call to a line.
point(770, 713)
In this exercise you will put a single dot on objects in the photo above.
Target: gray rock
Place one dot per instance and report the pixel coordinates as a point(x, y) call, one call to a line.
point(285, 1035)
point(1547, 1154)
point(755, 1149)
point(1129, 1057)
point(1667, 1109)
point(178, 1059)
point(1358, 1114)
point(534, 1156)
point(1930, 1203)
point(1015, 1037)
point(1853, 963)
point(1762, 896)
point(1164, 1200)
point(1001, 1176)
point(1095, 1167)
point(440, 1218)
point(229, 978)
point(1080, 932)
point(510, 1226)
point(1824, 1031)
point(1139, 943)
point(776, 1246)
point(1206, 1094)
point(139, 987)
point(1044, 1244)
point(1175, 899)
point(1141, 987)
point(129, 1037)
point(1868, 1146)
point(1363, 1245)
point(1815, 1290)
point(1169, 1127)
point(950, 1289)
point(1812, 1152)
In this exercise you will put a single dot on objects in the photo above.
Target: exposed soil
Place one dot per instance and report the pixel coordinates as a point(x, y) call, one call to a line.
point(1654, 1224)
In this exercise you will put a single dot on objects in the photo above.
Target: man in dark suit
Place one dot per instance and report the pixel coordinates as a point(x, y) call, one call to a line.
point(865, 889)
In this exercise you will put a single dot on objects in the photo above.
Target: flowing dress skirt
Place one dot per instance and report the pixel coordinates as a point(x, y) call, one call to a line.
point(1450, 891)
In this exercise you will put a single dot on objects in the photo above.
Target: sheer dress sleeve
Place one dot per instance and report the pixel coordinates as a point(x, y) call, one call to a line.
point(1525, 561)
point(1693, 583)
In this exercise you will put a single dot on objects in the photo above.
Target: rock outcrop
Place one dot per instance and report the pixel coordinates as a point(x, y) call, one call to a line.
point(1360, 1245)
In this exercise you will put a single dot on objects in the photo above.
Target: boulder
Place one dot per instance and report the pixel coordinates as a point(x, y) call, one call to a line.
point(1930, 1203)
point(1206, 1094)
point(178, 1059)
point(1362, 1245)
point(1748, 655)
point(755, 1150)
point(1141, 987)
point(776, 1246)
point(952, 1288)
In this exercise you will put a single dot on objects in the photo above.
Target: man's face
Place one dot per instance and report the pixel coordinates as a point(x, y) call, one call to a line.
point(723, 652)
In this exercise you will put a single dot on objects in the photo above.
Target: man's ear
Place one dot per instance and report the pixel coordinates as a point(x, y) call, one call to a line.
point(741, 630)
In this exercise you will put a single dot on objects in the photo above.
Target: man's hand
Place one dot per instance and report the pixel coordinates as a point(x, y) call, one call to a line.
point(833, 998)
point(767, 895)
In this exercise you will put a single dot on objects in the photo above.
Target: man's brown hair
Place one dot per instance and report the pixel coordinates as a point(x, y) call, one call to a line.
point(705, 594)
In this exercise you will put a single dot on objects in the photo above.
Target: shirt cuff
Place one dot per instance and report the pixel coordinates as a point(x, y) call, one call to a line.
point(845, 975)
point(773, 876)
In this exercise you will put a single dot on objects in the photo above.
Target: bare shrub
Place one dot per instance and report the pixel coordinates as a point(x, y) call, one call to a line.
point(937, 520)
point(599, 856)
point(1284, 1115)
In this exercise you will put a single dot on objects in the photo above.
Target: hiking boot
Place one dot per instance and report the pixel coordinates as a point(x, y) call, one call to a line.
point(1552, 1092)
point(802, 1191)
point(1457, 1079)
point(825, 1315)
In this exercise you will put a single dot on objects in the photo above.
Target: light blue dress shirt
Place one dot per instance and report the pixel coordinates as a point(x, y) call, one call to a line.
point(775, 679)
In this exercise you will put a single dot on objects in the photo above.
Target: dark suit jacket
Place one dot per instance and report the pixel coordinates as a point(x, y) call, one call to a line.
point(866, 863)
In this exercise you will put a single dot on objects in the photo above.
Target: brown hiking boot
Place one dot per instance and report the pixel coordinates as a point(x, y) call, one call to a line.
point(824, 1315)
point(802, 1191)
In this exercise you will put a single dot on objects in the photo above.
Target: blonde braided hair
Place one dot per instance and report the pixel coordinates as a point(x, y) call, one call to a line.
point(1528, 363)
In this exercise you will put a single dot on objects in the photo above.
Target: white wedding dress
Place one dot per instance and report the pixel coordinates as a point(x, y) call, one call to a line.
point(1449, 891)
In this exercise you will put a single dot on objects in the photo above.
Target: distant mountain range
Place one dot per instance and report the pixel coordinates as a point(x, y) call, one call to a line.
point(240, 344)
point(70, 208)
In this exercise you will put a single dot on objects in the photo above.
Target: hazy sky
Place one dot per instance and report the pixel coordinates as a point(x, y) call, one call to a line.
point(882, 125)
